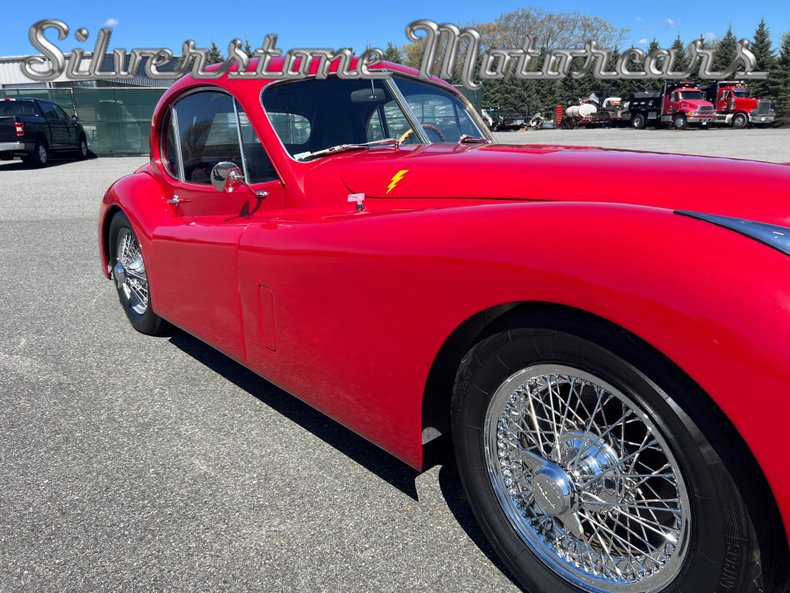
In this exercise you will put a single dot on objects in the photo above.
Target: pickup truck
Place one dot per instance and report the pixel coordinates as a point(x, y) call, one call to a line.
point(33, 129)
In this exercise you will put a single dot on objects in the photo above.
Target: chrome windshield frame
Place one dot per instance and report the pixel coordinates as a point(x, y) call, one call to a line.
point(470, 110)
point(404, 106)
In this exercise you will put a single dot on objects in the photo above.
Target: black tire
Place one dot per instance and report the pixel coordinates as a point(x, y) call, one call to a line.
point(143, 319)
point(723, 552)
point(739, 121)
point(638, 121)
point(680, 121)
point(82, 148)
point(41, 154)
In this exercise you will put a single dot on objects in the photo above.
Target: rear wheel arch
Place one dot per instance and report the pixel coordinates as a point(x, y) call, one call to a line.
point(438, 393)
point(105, 234)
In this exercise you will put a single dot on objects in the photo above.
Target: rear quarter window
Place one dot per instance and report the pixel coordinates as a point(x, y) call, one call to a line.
point(17, 108)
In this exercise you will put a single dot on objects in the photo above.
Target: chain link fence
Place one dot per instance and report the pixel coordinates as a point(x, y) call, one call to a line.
point(117, 121)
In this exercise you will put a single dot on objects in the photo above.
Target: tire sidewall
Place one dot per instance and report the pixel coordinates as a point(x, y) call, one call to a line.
point(36, 158)
point(147, 322)
point(717, 517)
point(739, 121)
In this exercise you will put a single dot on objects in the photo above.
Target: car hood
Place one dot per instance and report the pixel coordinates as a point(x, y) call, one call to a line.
point(729, 187)
point(696, 103)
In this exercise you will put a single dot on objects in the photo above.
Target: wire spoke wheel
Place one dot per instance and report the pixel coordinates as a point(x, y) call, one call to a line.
point(129, 272)
point(586, 480)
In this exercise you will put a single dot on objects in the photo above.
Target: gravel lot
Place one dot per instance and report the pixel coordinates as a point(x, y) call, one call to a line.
point(130, 463)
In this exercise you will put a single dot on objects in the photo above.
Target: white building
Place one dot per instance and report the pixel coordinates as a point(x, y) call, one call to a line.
point(12, 77)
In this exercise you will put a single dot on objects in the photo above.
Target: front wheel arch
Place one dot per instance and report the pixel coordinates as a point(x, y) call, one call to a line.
point(438, 391)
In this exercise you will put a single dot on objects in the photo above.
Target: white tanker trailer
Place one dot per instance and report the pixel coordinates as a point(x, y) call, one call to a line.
point(612, 113)
point(579, 111)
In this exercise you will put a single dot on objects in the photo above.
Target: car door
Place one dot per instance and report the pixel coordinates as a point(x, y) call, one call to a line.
point(59, 133)
point(196, 250)
point(724, 102)
point(71, 140)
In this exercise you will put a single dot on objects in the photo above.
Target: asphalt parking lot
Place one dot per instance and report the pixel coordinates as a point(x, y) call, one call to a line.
point(772, 144)
point(131, 463)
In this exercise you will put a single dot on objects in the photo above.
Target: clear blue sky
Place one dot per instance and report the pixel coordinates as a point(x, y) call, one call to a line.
point(343, 23)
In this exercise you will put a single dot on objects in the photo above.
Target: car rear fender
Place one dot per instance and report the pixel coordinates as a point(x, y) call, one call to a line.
point(141, 198)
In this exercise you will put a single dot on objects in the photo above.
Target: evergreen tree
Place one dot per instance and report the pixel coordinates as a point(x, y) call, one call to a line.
point(626, 87)
point(725, 52)
point(763, 50)
point(612, 88)
point(214, 55)
point(247, 47)
point(393, 53)
point(655, 46)
point(779, 82)
point(682, 59)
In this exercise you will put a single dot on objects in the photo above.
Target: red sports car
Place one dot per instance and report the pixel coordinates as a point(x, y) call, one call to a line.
point(604, 334)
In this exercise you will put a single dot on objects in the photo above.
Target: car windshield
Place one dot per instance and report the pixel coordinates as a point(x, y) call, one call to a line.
point(741, 93)
point(314, 115)
point(17, 108)
point(691, 95)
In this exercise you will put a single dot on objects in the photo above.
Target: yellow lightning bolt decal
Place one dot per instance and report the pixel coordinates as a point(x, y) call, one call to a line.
point(396, 179)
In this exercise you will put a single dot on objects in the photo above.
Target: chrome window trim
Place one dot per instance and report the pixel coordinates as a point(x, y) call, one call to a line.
point(241, 142)
point(174, 114)
point(177, 132)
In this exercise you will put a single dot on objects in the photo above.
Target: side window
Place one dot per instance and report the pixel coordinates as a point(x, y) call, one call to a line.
point(169, 148)
point(292, 128)
point(375, 127)
point(208, 131)
point(60, 113)
point(49, 111)
point(259, 166)
point(438, 114)
point(387, 121)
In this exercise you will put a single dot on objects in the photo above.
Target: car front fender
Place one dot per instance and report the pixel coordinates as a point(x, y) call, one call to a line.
point(373, 297)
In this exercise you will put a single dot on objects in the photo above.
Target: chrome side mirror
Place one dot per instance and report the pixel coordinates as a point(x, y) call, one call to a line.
point(226, 176)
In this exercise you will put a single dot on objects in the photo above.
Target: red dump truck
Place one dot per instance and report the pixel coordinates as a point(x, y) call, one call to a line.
point(677, 104)
point(734, 106)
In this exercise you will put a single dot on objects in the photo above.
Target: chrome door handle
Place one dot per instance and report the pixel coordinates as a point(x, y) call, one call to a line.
point(175, 200)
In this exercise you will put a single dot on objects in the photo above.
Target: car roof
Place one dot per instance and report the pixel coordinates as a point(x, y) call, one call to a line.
point(24, 99)
point(277, 65)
